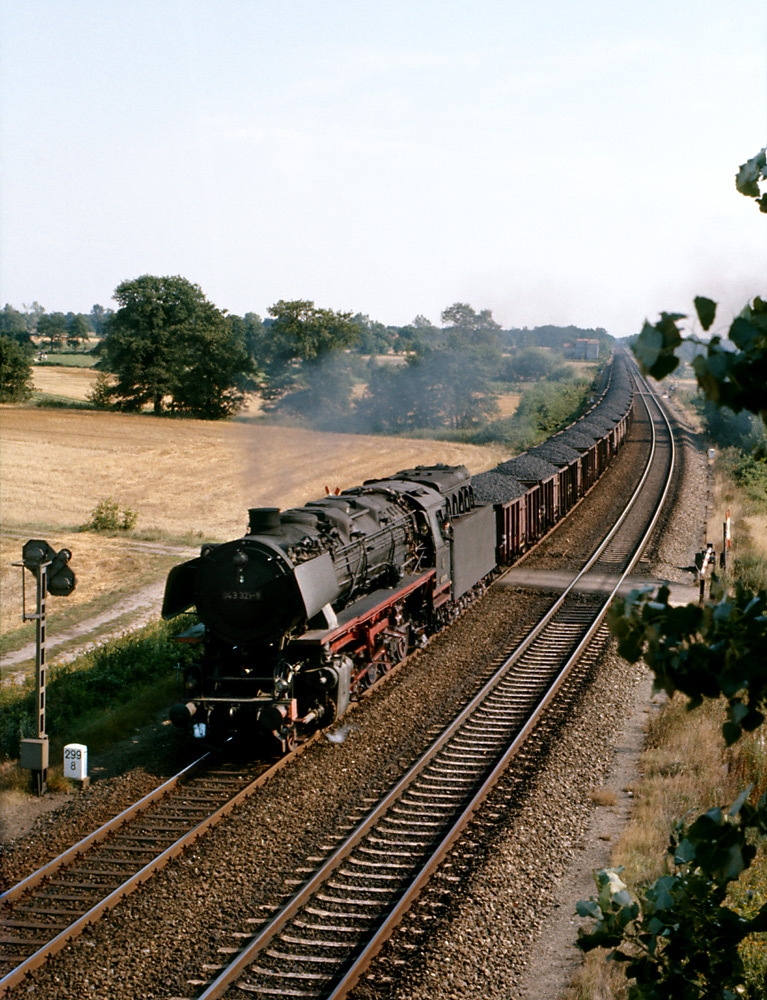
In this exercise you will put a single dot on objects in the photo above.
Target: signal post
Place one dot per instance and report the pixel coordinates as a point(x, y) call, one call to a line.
point(53, 576)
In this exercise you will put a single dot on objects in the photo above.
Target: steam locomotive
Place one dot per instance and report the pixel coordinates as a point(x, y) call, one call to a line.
point(311, 605)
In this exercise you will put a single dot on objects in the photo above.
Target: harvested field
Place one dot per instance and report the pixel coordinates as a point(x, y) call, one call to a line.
point(107, 570)
point(70, 383)
point(508, 403)
point(186, 478)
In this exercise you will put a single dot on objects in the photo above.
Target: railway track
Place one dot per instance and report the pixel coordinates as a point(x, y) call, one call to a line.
point(363, 888)
point(40, 914)
point(324, 938)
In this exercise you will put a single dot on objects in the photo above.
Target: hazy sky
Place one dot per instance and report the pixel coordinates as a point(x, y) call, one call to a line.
point(554, 161)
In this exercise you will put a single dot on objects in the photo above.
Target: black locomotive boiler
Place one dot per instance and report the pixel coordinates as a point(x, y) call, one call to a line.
point(312, 604)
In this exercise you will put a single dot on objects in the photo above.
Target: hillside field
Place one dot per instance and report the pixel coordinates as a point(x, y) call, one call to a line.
point(187, 479)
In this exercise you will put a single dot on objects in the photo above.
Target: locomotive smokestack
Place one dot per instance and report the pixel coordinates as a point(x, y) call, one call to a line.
point(263, 519)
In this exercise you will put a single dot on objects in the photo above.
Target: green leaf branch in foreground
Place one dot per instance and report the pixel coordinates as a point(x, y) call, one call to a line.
point(711, 650)
point(749, 175)
point(679, 938)
point(731, 372)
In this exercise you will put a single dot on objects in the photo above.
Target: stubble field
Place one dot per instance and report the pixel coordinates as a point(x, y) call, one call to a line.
point(188, 480)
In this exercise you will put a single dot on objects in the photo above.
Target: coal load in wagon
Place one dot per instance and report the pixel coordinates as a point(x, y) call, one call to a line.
point(493, 487)
point(556, 452)
point(527, 468)
point(577, 439)
point(610, 411)
point(601, 425)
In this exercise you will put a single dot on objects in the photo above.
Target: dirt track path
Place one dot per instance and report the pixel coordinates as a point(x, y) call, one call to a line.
point(130, 613)
point(142, 607)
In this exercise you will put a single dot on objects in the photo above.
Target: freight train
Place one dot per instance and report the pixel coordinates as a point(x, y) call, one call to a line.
point(307, 609)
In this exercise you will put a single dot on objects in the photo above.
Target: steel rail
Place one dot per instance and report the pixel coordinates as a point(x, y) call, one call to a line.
point(109, 901)
point(97, 836)
point(266, 935)
point(198, 830)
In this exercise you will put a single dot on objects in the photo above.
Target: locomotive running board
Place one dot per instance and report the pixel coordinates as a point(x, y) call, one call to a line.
point(366, 607)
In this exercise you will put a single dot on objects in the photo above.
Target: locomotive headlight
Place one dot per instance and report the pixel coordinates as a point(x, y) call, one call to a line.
point(240, 560)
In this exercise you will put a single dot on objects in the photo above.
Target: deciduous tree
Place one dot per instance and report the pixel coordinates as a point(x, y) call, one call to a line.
point(294, 347)
point(171, 348)
point(15, 371)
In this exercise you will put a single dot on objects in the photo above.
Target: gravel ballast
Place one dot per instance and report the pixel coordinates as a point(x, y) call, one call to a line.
point(157, 940)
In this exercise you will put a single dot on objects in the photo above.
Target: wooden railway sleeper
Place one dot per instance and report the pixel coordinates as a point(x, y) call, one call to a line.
point(313, 911)
point(313, 942)
point(377, 864)
point(327, 928)
point(309, 959)
point(340, 900)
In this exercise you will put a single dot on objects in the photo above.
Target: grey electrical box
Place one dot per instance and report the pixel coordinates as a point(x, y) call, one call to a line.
point(34, 754)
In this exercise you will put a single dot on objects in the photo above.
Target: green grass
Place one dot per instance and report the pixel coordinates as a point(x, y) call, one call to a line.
point(49, 401)
point(68, 360)
point(98, 729)
point(94, 685)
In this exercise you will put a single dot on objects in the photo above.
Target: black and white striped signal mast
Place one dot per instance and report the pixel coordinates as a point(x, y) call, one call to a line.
point(54, 577)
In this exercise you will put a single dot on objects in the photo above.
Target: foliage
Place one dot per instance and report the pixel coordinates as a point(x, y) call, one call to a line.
point(448, 381)
point(480, 326)
point(294, 345)
point(751, 475)
point(248, 329)
point(560, 339)
point(323, 396)
point(703, 650)
point(171, 348)
point(98, 681)
point(749, 176)
point(715, 649)
point(54, 327)
point(680, 940)
point(374, 337)
point(15, 371)
point(724, 428)
point(660, 934)
point(13, 325)
point(529, 364)
point(100, 395)
point(107, 516)
point(446, 386)
point(731, 374)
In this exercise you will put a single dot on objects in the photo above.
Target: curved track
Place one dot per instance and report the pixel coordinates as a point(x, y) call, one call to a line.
point(322, 940)
point(325, 937)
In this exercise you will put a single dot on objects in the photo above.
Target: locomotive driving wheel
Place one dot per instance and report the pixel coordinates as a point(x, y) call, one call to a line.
point(396, 645)
point(371, 675)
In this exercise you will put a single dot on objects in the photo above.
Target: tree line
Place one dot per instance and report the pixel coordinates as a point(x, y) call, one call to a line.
point(166, 346)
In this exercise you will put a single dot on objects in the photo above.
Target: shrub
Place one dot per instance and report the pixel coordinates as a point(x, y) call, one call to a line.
point(107, 516)
point(15, 372)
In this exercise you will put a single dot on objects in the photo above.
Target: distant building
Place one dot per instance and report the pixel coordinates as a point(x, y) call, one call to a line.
point(587, 349)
